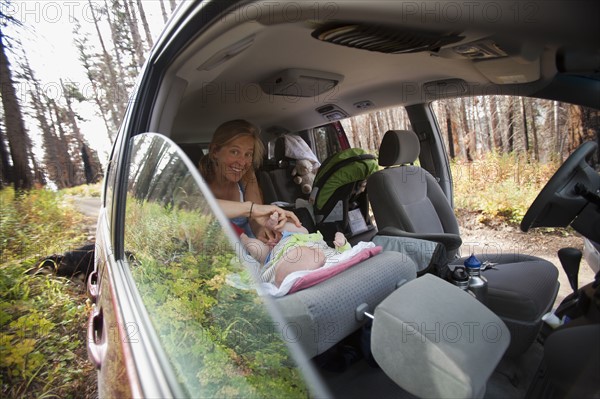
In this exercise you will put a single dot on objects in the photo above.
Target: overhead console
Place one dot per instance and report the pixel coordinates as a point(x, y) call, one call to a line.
point(501, 63)
point(295, 82)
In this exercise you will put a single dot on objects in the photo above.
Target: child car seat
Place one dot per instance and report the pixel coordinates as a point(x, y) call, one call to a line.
point(339, 196)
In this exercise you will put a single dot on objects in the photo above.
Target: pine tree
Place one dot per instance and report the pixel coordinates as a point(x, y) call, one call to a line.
point(19, 143)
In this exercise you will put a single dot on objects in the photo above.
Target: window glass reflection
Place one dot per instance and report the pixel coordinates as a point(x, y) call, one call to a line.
point(202, 301)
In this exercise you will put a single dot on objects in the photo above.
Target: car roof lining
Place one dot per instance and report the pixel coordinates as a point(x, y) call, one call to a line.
point(192, 102)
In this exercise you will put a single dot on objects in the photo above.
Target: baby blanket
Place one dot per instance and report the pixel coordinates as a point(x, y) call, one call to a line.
point(333, 265)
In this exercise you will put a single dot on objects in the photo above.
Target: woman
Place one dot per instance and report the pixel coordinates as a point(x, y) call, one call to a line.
point(233, 155)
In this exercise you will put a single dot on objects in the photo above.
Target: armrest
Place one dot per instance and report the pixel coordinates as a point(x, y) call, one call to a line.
point(444, 336)
point(448, 240)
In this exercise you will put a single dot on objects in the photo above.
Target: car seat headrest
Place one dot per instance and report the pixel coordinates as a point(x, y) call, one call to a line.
point(279, 152)
point(399, 147)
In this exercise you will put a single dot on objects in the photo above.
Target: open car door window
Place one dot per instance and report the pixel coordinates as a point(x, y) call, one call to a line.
point(204, 328)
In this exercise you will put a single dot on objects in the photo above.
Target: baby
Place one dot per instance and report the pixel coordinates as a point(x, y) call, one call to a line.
point(297, 249)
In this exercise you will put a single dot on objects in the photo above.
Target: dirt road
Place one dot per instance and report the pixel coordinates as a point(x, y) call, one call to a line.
point(89, 207)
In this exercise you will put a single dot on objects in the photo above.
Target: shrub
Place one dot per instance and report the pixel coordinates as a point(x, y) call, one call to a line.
point(499, 187)
point(37, 223)
point(42, 318)
point(85, 190)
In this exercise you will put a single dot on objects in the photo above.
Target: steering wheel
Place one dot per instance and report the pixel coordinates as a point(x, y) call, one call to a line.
point(557, 205)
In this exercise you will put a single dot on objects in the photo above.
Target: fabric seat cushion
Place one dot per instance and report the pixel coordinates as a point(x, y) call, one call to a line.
point(440, 345)
point(322, 315)
point(521, 289)
point(519, 286)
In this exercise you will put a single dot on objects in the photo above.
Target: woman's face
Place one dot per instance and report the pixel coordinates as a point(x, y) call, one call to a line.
point(235, 158)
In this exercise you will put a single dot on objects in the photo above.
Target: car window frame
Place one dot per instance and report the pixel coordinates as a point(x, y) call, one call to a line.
point(136, 120)
point(433, 156)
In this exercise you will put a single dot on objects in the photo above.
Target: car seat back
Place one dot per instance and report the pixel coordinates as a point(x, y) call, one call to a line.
point(406, 196)
point(321, 316)
point(275, 178)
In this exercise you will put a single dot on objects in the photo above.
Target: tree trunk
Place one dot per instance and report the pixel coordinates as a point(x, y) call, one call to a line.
point(511, 126)
point(489, 128)
point(114, 88)
point(5, 167)
point(496, 131)
point(18, 139)
point(51, 152)
point(556, 132)
point(117, 42)
point(450, 133)
point(534, 130)
point(89, 158)
point(69, 176)
point(479, 129)
point(591, 125)
point(466, 131)
point(149, 41)
point(525, 129)
point(91, 164)
point(163, 11)
point(39, 178)
point(135, 32)
point(106, 108)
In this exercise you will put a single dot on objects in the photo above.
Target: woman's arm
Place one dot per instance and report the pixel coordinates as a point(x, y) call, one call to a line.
point(234, 209)
point(257, 212)
point(252, 190)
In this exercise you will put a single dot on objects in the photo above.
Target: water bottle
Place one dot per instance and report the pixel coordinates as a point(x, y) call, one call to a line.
point(477, 283)
point(460, 278)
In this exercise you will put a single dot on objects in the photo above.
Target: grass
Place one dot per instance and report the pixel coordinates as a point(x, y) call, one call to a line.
point(42, 318)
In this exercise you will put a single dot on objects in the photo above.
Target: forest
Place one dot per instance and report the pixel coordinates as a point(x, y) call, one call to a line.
point(111, 57)
point(472, 127)
point(114, 52)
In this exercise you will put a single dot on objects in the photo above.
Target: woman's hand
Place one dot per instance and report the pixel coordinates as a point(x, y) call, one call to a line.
point(261, 214)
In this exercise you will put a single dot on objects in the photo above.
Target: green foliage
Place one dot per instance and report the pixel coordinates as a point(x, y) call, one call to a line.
point(38, 222)
point(212, 324)
point(499, 187)
point(42, 318)
point(84, 190)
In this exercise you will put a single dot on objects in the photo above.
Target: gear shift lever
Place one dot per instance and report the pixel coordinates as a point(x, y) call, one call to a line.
point(570, 259)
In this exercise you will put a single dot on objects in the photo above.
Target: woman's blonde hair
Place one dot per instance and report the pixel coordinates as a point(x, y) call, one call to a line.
point(226, 133)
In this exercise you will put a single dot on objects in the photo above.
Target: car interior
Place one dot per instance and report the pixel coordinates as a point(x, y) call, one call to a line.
point(297, 69)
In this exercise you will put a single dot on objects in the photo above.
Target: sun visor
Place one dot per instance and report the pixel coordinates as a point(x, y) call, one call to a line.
point(509, 70)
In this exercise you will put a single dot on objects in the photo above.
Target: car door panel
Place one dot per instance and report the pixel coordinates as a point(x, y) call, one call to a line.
point(107, 343)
